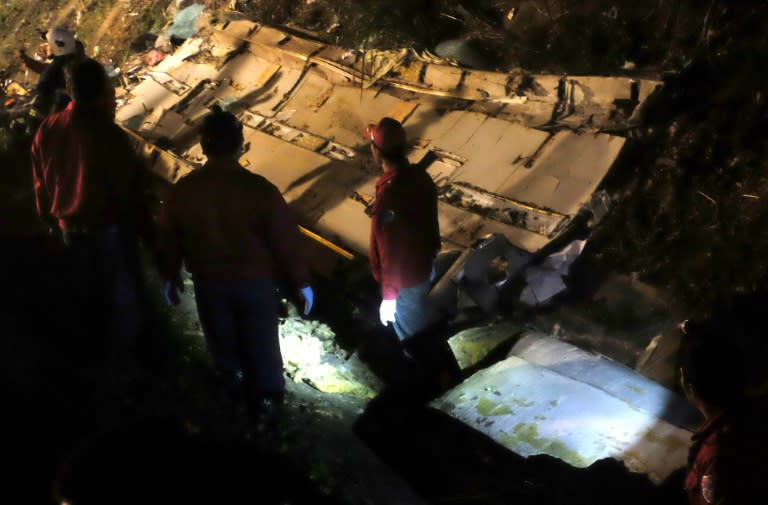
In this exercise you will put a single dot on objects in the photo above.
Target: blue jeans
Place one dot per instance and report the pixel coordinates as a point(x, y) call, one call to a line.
point(412, 312)
point(240, 323)
point(105, 264)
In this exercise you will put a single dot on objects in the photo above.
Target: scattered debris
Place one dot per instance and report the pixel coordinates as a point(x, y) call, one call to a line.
point(153, 57)
point(546, 280)
point(185, 22)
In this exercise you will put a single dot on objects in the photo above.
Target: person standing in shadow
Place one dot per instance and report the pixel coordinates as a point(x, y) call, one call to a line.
point(235, 233)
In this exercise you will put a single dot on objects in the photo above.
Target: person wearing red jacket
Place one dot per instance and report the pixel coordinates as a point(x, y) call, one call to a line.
point(405, 235)
point(726, 464)
point(235, 233)
point(88, 184)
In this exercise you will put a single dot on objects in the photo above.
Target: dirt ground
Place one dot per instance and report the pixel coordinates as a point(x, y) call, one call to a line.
point(688, 217)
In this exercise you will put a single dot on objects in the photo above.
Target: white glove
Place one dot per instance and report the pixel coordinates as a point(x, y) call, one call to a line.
point(309, 298)
point(387, 311)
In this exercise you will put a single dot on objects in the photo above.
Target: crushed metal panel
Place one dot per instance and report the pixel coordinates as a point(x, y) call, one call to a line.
point(578, 162)
point(402, 111)
point(268, 36)
point(600, 90)
point(342, 115)
point(279, 161)
point(496, 150)
point(303, 105)
point(301, 48)
point(247, 76)
point(531, 410)
point(346, 223)
point(169, 82)
point(454, 140)
point(311, 183)
point(538, 189)
point(267, 42)
point(600, 372)
point(443, 77)
point(503, 210)
point(192, 74)
point(189, 48)
point(323, 189)
point(231, 35)
point(431, 121)
point(268, 103)
point(170, 125)
point(148, 102)
point(159, 162)
point(465, 228)
point(525, 239)
point(441, 169)
point(487, 85)
point(533, 113)
point(451, 220)
point(307, 96)
point(238, 28)
point(570, 165)
point(410, 70)
point(471, 346)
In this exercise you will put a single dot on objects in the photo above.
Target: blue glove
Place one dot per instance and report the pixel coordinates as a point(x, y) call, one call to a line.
point(171, 292)
point(309, 298)
point(387, 311)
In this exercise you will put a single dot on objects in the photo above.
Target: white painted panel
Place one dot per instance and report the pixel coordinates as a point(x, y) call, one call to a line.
point(533, 410)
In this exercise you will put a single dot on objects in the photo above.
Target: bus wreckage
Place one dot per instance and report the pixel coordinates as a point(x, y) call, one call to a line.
point(517, 159)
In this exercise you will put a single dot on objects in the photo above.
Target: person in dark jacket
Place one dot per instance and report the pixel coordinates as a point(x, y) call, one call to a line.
point(726, 464)
point(405, 235)
point(51, 87)
point(235, 233)
point(88, 185)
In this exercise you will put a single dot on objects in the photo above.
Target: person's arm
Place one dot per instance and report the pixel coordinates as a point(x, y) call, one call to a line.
point(434, 221)
point(42, 198)
point(131, 181)
point(391, 233)
point(285, 241)
point(32, 64)
point(373, 254)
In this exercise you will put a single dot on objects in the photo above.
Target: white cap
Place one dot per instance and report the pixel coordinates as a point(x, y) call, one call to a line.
point(61, 40)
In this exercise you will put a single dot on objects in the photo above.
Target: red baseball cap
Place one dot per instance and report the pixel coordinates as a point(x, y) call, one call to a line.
point(388, 136)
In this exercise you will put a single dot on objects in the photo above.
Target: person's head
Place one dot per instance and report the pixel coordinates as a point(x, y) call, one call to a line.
point(711, 365)
point(388, 141)
point(61, 41)
point(221, 135)
point(90, 87)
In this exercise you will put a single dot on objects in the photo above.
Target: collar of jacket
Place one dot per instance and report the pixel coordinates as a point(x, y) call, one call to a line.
point(386, 177)
point(222, 164)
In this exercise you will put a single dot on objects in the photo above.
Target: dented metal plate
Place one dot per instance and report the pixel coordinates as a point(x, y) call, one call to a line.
point(531, 409)
point(614, 378)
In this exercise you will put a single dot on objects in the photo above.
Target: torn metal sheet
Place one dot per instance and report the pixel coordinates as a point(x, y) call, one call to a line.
point(471, 346)
point(305, 103)
point(531, 409)
point(488, 268)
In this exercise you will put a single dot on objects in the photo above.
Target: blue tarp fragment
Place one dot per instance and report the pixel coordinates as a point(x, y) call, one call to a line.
point(185, 22)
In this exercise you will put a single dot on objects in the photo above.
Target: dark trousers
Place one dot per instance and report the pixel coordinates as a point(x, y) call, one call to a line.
point(105, 274)
point(240, 323)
